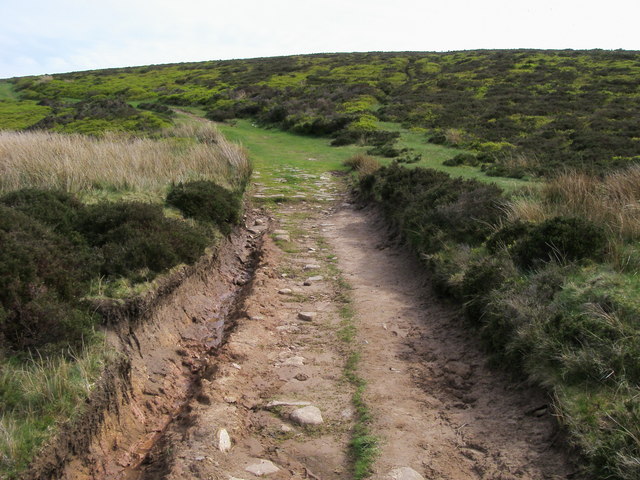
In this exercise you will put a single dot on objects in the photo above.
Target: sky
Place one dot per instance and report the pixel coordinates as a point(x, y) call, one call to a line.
point(54, 36)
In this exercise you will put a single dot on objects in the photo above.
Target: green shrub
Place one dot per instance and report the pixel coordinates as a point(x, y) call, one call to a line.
point(55, 208)
point(137, 241)
point(480, 279)
point(507, 236)
point(462, 159)
point(42, 277)
point(561, 239)
point(205, 201)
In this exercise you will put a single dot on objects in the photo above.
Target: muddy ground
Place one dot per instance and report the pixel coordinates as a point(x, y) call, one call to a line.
point(437, 410)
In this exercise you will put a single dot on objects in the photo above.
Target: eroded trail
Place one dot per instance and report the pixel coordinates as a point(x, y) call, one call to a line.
point(436, 408)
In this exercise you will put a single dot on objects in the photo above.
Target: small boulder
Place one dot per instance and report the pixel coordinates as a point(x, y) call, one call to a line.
point(224, 441)
point(307, 416)
point(307, 316)
point(311, 266)
point(285, 291)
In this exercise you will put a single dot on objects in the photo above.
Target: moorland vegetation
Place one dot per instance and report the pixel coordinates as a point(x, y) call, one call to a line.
point(84, 219)
point(517, 113)
point(547, 274)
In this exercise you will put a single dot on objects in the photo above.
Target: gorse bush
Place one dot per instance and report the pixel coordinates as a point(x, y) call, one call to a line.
point(205, 201)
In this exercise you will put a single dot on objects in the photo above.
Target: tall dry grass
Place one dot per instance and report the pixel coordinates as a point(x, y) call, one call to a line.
point(612, 202)
point(363, 164)
point(77, 163)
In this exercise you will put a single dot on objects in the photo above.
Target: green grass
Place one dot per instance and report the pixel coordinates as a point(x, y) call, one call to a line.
point(7, 92)
point(433, 155)
point(283, 155)
point(280, 157)
point(40, 394)
point(18, 115)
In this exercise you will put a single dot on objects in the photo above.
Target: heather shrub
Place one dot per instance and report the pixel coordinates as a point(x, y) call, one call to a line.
point(560, 239)
point(55, 208)
point(136, 240)
point(205, 201)
point(42, 276)
point(462, 159)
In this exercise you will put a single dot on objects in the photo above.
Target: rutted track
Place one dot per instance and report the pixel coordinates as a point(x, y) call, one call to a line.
point(436, 407)
point(166, 343)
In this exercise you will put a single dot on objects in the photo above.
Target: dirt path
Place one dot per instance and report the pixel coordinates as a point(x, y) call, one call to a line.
point(436, 408)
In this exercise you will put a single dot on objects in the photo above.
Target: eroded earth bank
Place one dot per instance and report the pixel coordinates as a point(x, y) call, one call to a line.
point(274, 400)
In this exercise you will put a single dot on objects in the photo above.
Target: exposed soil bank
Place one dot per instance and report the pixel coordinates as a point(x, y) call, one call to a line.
point(165, 344)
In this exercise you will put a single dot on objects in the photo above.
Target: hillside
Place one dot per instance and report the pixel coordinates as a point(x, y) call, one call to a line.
point(519, 112)
point(520, 245)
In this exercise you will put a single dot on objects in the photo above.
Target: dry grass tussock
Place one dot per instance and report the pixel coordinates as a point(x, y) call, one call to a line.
point(363, 164)
point(612, 202)
point(77, 163)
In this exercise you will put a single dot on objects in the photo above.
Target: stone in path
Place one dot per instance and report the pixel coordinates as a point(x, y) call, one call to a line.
point(224, 441)
point(404, 473)
point(307, 316)
point(311, 266)
point(307, 416)
point(262, 467)
point(279, 403)
point(296, 361)
point(285, 291)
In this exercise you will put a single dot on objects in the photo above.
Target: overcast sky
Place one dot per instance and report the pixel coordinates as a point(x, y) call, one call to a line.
point(52, 36)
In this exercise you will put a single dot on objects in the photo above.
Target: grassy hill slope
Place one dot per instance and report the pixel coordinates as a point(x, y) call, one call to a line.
point(519, 111)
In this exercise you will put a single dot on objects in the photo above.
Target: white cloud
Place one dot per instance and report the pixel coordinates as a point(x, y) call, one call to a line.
point(47, 37)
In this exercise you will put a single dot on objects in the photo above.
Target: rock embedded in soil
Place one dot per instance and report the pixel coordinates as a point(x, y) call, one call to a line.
point(316, 278)
point(224, 441)
point(404, 473)
point(296, 361)
point(284, 238)
point(262, 467)
point(307, 416)
point(285, 291)
point(311, 266)
point(307, 316)
point(284, 403)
